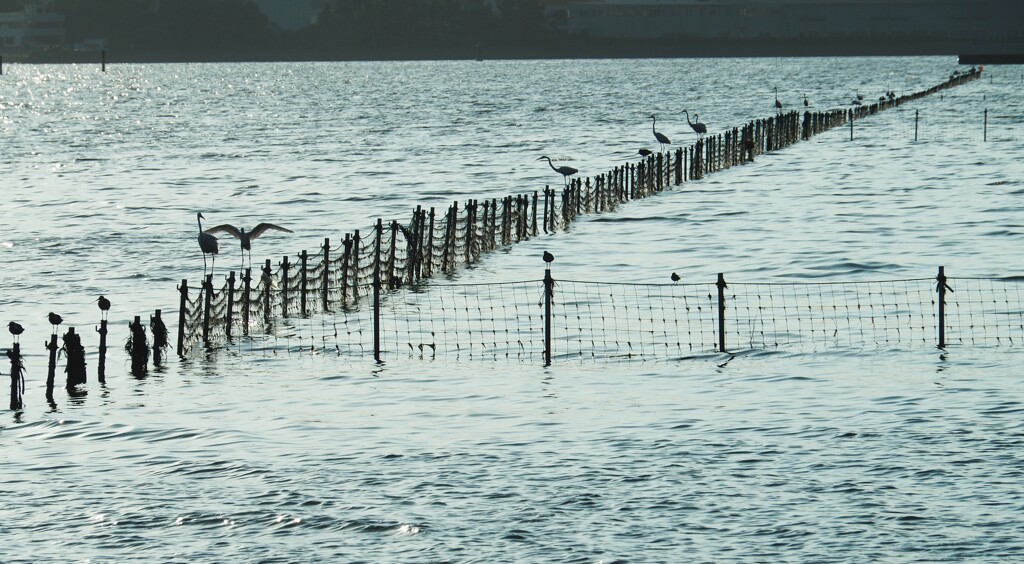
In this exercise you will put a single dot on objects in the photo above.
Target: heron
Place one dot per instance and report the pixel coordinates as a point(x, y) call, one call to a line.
point(16, 329)
point(565, 171)
point(208, 244)
point(658, 135)
point(778, 104)
point(548, 257)
point(699, 128)
point(806, 103)
point(675, 277)
point(54, 320)
point(245, 238)
point(645, 152)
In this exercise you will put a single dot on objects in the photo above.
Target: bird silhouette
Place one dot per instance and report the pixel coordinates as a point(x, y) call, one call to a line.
point(16, 329)
point(644, 152)
point(778, 104)
point(806, 103)
point(699, 128)
point(565, 171)
point(245, 238)
point(661, 137)
point(675, 277)
point(208, 244)
point(54, 320)
point(548, 257)
point(104, 303)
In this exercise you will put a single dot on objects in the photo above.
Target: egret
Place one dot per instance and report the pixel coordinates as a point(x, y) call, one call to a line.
point(778, 104)
point(659, 136)
point(54, 320)
point(645, 152)
point(246, 237)
point(548, 257)
point(697, 126)
point(15, 329)
point(208, 244)
point(565, 171)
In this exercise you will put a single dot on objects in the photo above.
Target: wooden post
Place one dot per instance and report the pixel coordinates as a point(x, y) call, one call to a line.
point(140, 352)
point(231, 304)
point(534, 226)
point(268, 279)
point(355, 264)
point(549, 295)
point(207, 305)
point(51, 372)
point(721, 311)
point(376, 292)
point(101, 363)
point(284, 286)
point(942, 287)
point(303, 281)
point(985, 138)
point(391, 255)
point(156, 325)
point(326, 276)
point(917, 118)
point(183, 304)
point(103, 61)
point(17, 379)
point(430, 245)
point(246, 300)
point(851, 125)
point(346, 260)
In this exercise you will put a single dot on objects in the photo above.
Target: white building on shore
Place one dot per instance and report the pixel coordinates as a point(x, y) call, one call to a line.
point(31, 29)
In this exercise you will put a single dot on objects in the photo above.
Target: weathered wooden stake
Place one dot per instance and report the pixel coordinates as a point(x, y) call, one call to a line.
point(103, 60)
point(268, 279)
point(17, 377)
point(246, 300)
point(182, 308)
point(721, 311)
point(985, 138)
point(101, 363)
point(51, 372)
point(207, 306)
point(549, 298)
point(376, 291)
point(156, 325)
point(917, 118)
point(325, 291)
point(230, 314)
point(140, 348)
point(303, 281)
point(284, 286)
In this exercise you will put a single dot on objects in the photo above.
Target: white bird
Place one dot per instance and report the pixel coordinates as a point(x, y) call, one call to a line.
point(244, 237)
point(208, 244)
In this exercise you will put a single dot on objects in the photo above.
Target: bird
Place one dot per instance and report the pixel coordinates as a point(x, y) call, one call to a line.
point(245, 238)
point(548, 257)
point(778, 104)
point(104, 303)
point(806, 103)
point(208, 244)
point(697, 126)
point(658, 135)
point(565, 171)
point(860, 96)
point(54, 320)
point(15, 329)
point(644, 152)
point(675, 277)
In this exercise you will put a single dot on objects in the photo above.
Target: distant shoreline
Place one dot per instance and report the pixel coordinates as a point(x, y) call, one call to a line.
point(576, 48)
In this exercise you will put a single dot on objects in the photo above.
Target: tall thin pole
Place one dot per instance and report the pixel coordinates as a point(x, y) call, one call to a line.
point(721, 311)
point(549, 293)
point(376, 291)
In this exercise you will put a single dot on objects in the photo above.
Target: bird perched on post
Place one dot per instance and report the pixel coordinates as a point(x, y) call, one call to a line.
point(661, 137)
point(54, 320)
point(16, 329)
point(208, 244)
point(675, 277)
point(245, 238)
point(104, 304)
point(548, 257)
point(565, 171)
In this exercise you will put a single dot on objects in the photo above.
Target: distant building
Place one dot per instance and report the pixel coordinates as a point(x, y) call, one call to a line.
point(932, 20)
point(31, 29)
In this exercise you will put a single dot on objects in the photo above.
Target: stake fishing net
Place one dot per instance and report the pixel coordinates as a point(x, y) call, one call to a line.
point(375, 282)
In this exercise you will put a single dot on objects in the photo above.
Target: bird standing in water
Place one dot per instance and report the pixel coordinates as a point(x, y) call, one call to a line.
point(699, 128)
point(246, 237)
point(208, 244)
point(565, 171)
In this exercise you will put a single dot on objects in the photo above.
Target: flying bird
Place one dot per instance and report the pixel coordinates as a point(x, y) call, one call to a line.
point(246, 237)
point(16, 329)
point(548, 257)
point(697, 126)
point(54, 320)
point(658, 135)
point(208, 244)
point(565, 171)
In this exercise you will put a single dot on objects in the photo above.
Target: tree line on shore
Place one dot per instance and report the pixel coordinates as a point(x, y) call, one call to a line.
point(343, 29)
